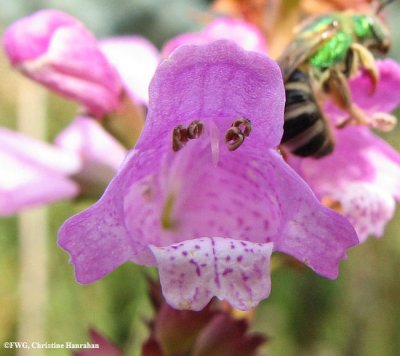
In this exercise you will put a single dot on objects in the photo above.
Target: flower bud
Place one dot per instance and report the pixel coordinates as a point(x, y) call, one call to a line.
point(56, 50)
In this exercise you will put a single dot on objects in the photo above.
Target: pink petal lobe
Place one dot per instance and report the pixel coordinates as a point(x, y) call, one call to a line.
point(243, 33)
point(222, 82)
point(101, 153)
point(136, 60)
point(33, 172)
point(316, 236)
point(367, 207)
point(194, 271)
point(96, 241)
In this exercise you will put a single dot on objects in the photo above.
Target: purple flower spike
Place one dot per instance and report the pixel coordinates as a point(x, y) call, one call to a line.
point(204, 195)
point(57, 51)
point(33, 172)
point(242, 32)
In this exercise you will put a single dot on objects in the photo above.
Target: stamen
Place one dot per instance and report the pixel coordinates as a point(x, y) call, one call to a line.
point(234, 138)
point(235, 135)
point(179, 137)
point(166, 216)
point(195, 129)
point(244, 125)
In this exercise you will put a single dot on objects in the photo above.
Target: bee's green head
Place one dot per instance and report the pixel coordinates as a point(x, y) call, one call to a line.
point(372, 33)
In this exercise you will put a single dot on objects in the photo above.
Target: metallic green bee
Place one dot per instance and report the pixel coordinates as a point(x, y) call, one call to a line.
point(322, 56)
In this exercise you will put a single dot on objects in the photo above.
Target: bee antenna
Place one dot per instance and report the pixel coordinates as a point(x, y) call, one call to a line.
point(382, 5)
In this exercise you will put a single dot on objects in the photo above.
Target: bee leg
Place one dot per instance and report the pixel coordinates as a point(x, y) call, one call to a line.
point(367, 62)
point(352, 64)
point(334, 83)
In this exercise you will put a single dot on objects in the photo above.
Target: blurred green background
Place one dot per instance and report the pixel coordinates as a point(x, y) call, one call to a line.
point(358, 314)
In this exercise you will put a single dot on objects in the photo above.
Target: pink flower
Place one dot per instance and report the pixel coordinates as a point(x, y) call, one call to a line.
point(136, 60)
point(242, 32)
point(33, 172)
point(100, 154)
point(207, 202)
point(36, 173)
point(362, 175)
point(57, 51)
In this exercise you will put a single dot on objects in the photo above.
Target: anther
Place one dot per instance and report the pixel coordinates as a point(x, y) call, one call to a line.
point(244, 125)
point(195, 129)
point(179, 137)
point(234, 138)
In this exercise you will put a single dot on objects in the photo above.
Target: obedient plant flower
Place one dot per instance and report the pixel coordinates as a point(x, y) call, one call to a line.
point(204, 195)
point(361, 178)
point(33, 172)
point(57, 51)
point(83, 161)
point(243, 33)
point(136, 60)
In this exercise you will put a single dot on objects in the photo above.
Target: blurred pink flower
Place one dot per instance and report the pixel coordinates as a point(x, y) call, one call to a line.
point(100, 153)
point(35, 173)
point(57, 51)
point(363, 172)
point(136, 60)
point(206, 214)
point(245, 34)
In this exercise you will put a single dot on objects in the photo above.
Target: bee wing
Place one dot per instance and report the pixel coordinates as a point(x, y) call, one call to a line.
point(303, 47)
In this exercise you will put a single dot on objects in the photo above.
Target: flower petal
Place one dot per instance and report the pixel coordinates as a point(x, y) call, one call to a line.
point(239, 31)
point(96, 241)
point(57, 51)
point(33, 172)
point(362, 174)
point(136, 60)
point(222, 82)
point(194, 271)
point(368, 207)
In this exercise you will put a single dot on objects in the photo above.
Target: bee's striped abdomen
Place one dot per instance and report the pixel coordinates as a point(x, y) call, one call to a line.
point(306, 131)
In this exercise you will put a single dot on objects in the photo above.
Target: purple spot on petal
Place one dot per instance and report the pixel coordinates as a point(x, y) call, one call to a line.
point(243, 243)
point(245, 277)
point(239, 258)
point(198, 271)
point(184, 253)
point(228, 258)
point(227, 271)
point(197, 247)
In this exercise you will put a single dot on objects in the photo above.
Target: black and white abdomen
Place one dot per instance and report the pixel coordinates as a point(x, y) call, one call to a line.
point(306, 131)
